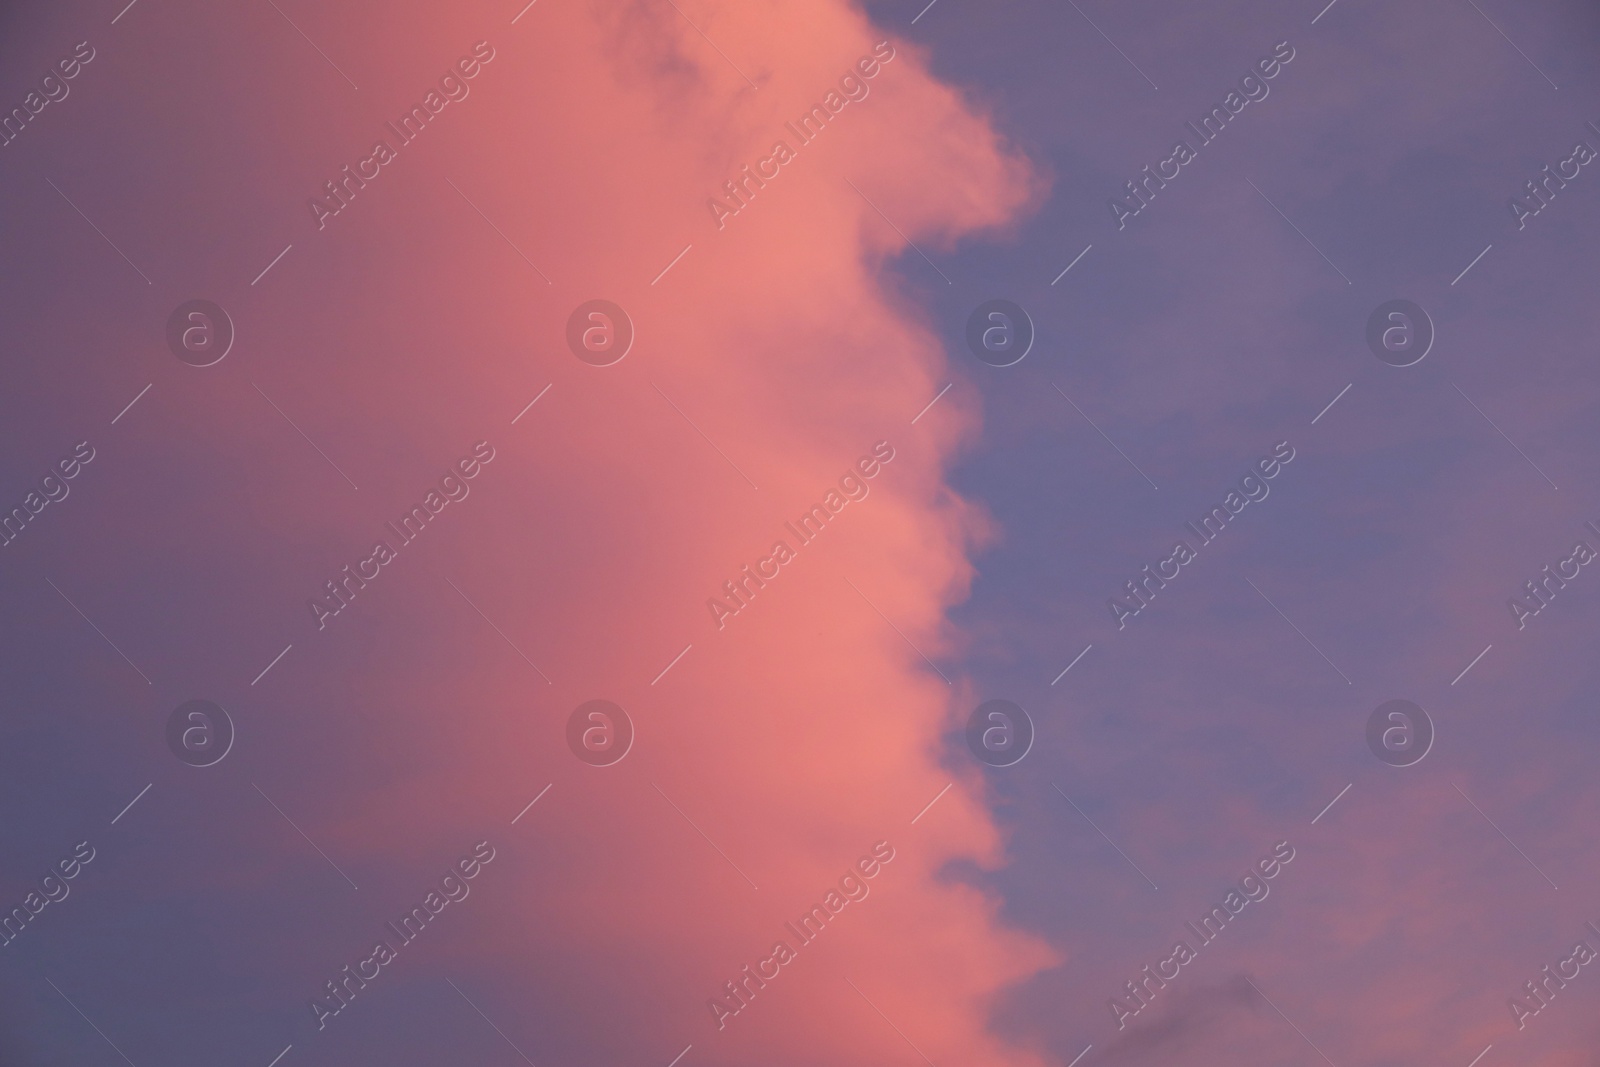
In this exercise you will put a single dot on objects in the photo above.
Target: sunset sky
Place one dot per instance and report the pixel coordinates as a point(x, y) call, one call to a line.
point(381, 511)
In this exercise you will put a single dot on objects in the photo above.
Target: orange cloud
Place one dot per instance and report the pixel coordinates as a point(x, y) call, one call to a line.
point(770, 358)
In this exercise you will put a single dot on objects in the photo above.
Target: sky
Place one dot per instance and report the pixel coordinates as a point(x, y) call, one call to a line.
point(513, 536)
